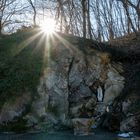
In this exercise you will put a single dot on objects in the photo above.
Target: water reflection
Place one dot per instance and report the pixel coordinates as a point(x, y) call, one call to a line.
point(128, 138)
point(62, 136)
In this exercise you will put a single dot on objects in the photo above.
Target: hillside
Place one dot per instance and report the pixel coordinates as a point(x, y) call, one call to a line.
point(45, 82)
point(20, 64)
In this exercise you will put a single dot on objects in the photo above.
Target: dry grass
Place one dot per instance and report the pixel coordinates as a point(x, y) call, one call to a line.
point(105, 58)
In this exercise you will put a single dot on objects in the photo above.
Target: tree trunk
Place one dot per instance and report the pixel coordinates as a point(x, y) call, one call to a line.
point(137, 7)
point(125, 5)
point(129, 19)
point(98, 22)
point(89, 22)
point(84, 17)
point(34, 9)
point(34, 18)
point(60, 14)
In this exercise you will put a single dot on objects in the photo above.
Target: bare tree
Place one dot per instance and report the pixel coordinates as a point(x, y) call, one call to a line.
point(136, 7)
point(8, 8)
point(84, 8)
point(99, 19)
point(89, 19)
point(34, 11)
point(126, 4)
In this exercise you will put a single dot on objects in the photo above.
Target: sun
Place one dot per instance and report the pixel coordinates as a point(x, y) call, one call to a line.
point(48, 26)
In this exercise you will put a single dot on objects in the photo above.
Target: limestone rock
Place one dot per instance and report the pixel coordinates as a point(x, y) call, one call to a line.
point(82, 91)
point(91, 103)
point(100, 108)
point(112, 92)
point(82, 126)
point(113, 86)
point(31, 120)
point(11, 111)
point(53, 87)
point(67, 81)
point(66, 88)
point(129, 124)
point(125, 106)
point(75, 111)
point(85, 107)
point(77, 71)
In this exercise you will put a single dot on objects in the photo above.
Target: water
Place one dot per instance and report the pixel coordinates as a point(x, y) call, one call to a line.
point(63, 136)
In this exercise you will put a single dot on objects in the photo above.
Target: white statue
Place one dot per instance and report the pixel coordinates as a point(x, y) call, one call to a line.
point(100, 94)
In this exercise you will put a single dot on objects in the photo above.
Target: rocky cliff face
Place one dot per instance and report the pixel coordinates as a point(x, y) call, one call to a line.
point(77, 83)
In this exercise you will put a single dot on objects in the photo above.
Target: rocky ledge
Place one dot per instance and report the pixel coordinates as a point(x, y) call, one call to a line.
point(78, 83)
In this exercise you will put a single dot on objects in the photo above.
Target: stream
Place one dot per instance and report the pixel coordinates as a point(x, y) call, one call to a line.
point(63, 136)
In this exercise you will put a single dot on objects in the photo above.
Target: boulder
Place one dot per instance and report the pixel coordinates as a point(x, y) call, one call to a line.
point(125, 106)
point(100, 109)
point(31, 120)
point(112, 92)
point(75, 111)
point(79, 93)
point(82, 126)
point(113, 86)
point(130, 124)
point(91, 103)
point(85, 108)
point(12, 111)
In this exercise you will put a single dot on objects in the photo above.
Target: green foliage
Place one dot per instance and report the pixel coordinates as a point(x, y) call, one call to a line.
point(18, 126)
point(20, 65)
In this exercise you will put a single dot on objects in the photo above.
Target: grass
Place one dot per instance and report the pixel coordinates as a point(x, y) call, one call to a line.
point(18, 126)
point(20, 66)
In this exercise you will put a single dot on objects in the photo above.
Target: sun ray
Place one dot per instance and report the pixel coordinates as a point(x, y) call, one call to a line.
point(40, 43)
point(26, 42)
point(66, 43)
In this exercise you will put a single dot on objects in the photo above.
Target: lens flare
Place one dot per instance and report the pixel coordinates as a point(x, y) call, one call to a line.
point(48, 26)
